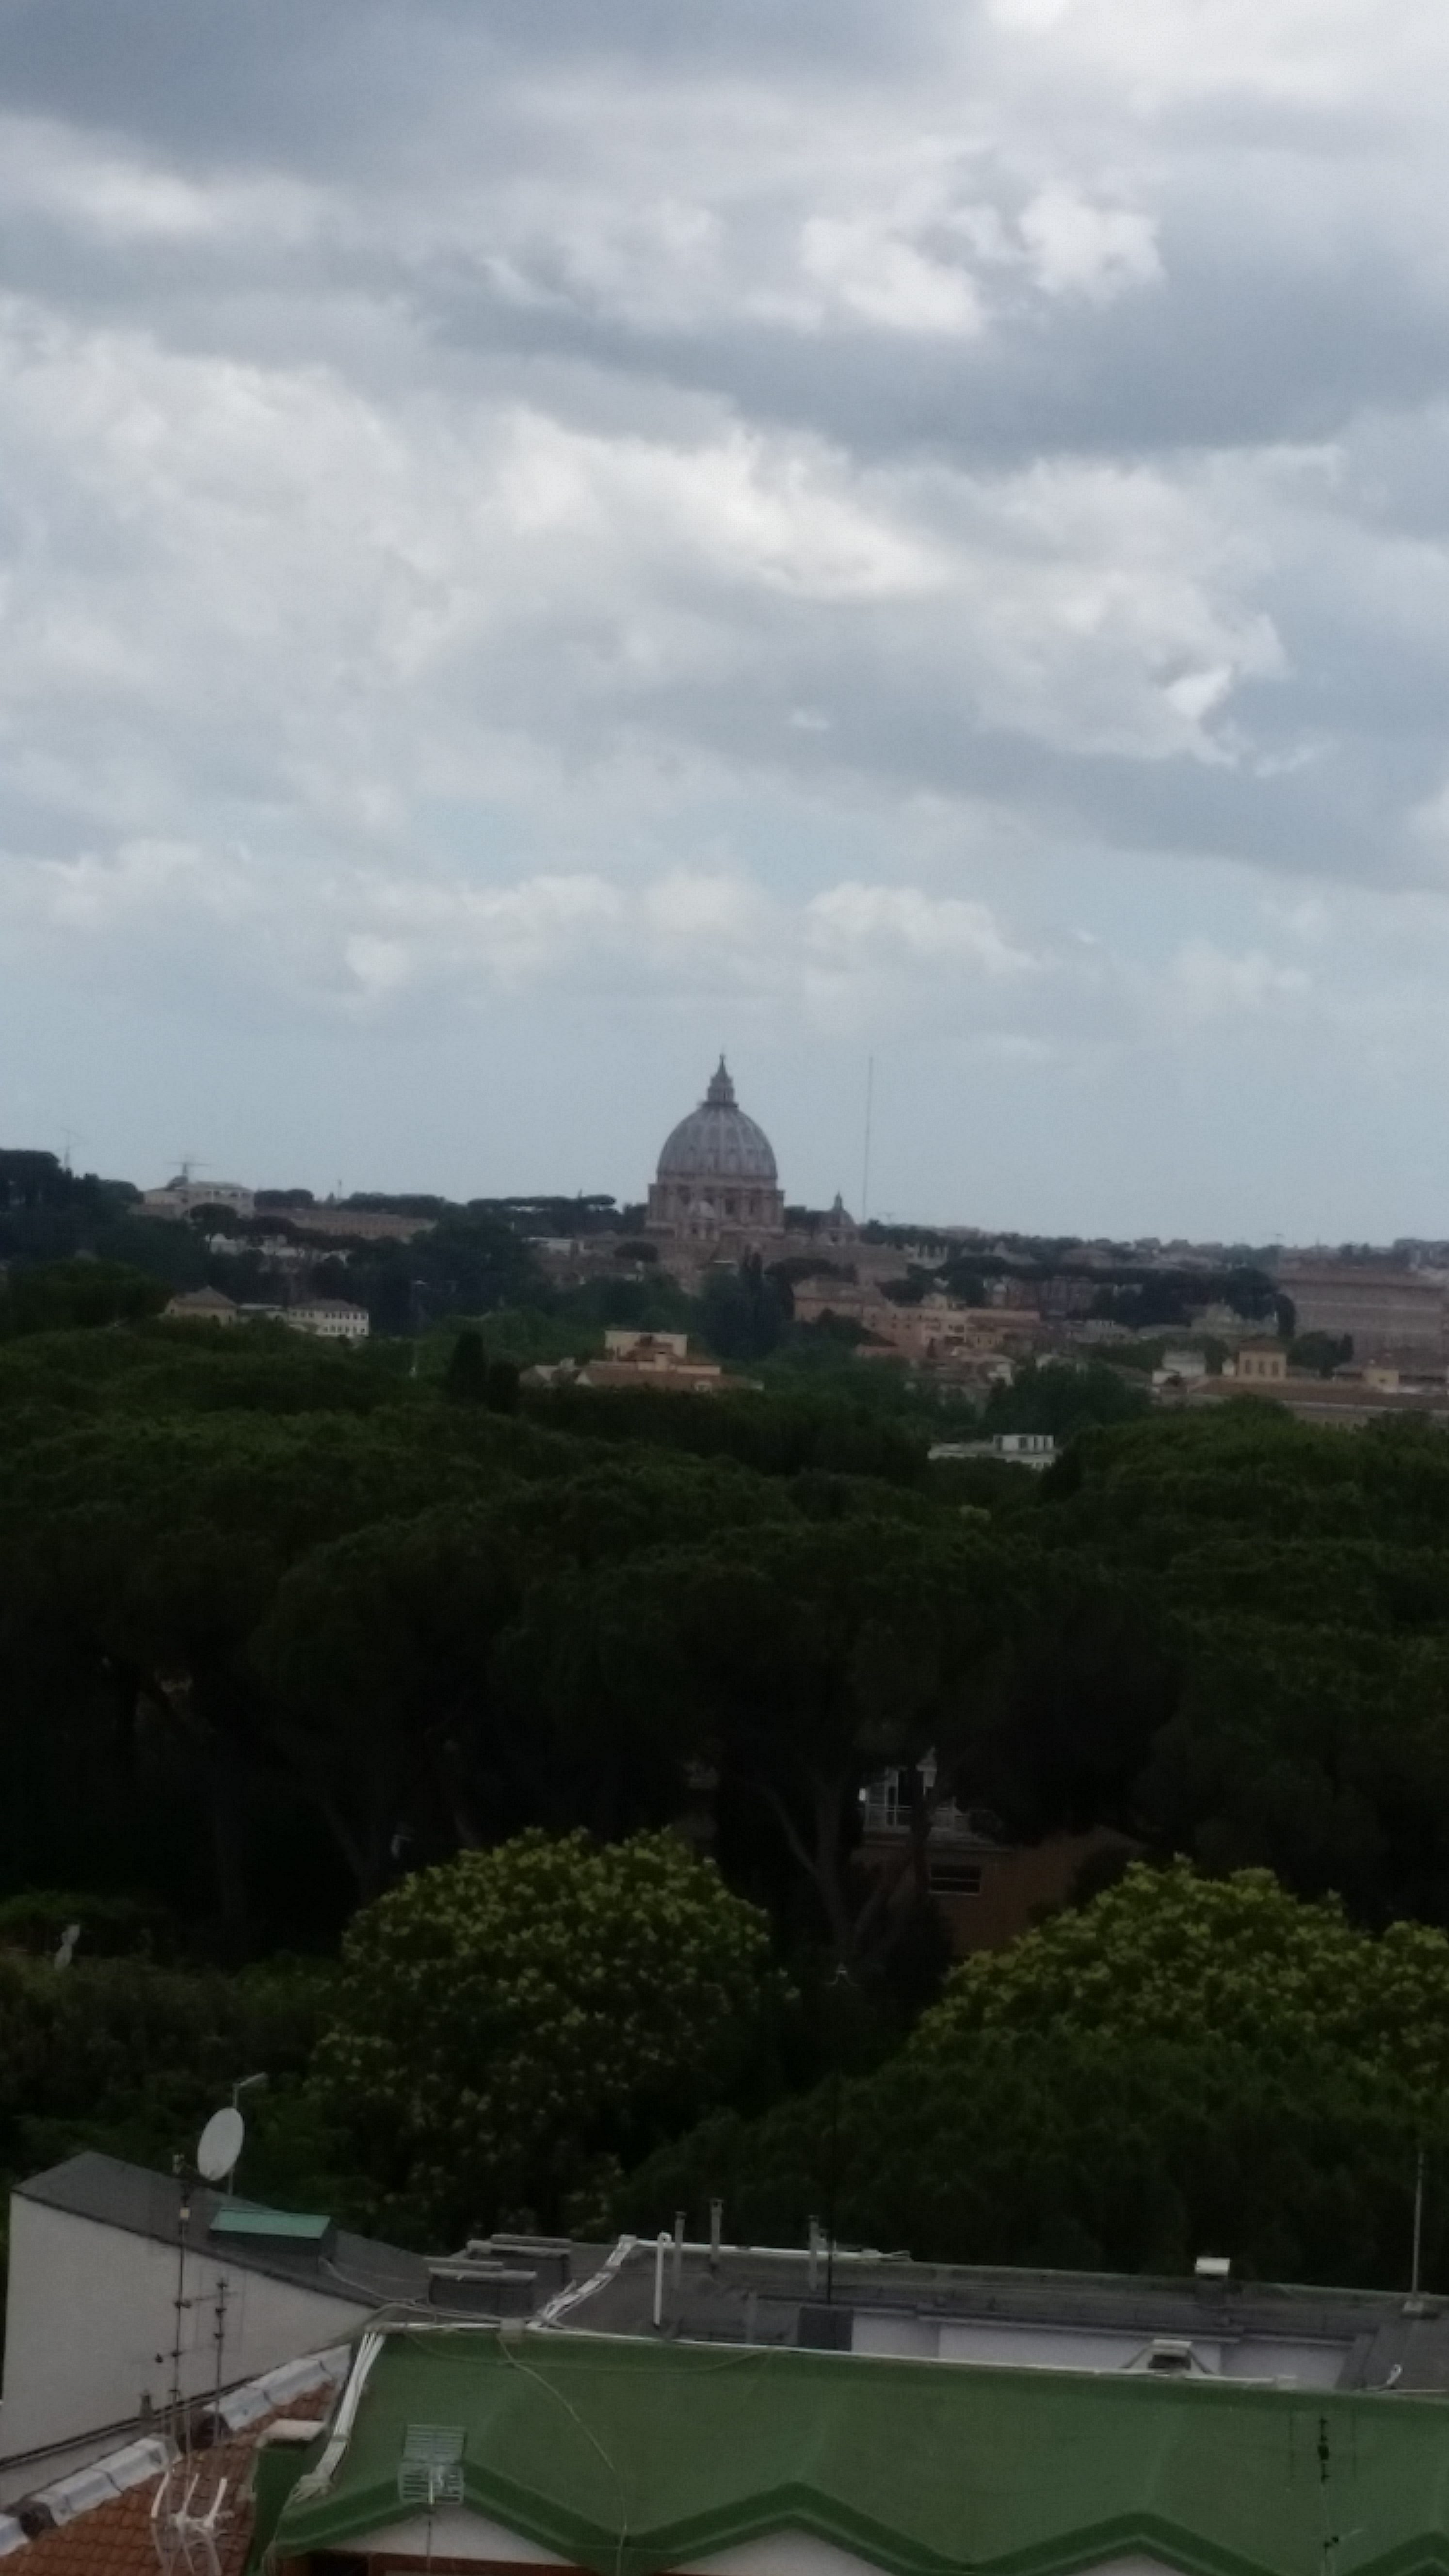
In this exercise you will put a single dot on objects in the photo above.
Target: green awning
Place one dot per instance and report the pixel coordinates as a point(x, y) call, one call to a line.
point(280, 2226)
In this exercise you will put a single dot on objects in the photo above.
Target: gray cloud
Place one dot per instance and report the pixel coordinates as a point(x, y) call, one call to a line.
point(896, 527)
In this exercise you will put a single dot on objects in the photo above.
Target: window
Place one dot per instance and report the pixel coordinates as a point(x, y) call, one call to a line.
point(954, 1877)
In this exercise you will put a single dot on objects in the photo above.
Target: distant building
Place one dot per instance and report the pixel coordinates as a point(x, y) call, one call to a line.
point(1347, 1401)
point(1180, 1366)
point(938, 1329)
point(331, 1319)
point(1033, 1449)
point(1394, 1315)
point(278, 1251)
point(1026, 1448)
point(986, 1889)
point(358, 1225)
point(201, 1306)
point(832, 1229)
point(1258, 1364)
point(852, 1302)
point(659, 1360)
point(180, 1197)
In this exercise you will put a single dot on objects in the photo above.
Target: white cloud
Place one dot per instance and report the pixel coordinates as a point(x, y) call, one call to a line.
point(114, 197)
point(865, 923)
point(1080, 248)
point(885, 280)
point(1207, 983)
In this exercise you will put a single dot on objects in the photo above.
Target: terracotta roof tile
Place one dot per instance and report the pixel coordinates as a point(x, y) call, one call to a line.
point(117, 2538)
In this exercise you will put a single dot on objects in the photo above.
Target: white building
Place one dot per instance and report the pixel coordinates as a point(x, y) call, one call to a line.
point(100, 2253)
point(178, 1198)
point(332, 1319)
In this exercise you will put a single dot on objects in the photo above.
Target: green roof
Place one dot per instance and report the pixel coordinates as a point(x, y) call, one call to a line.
point(628, 2457)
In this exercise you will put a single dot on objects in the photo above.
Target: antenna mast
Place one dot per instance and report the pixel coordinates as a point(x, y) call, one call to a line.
point(865, 1162)
point(223, 2292)
point(180, 2422)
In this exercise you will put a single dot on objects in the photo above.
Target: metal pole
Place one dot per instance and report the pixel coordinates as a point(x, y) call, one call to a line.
point(831, 2213)
point(221, 2298)
point(1418, 2222)
point(243, 2084)
point(661, 2242)
point(181, 2438)
point(716, 2230)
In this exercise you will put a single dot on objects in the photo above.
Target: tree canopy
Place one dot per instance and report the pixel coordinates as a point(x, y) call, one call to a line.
point(1169, 1955)
point(1183, 2066)
point(509, 2026)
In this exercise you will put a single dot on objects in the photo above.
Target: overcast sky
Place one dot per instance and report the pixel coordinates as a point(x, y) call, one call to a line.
point(542, 538)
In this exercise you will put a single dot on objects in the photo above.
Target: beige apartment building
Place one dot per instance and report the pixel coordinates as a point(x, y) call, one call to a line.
point(1394, 1315)
point(1258, 1364)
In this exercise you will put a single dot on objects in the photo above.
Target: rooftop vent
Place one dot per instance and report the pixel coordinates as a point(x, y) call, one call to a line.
point(430, 2471)
point(825, 2329)
point(483, 2289)
point(551, 2257)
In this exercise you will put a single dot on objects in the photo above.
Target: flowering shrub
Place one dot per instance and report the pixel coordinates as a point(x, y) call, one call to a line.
point(511, 2024)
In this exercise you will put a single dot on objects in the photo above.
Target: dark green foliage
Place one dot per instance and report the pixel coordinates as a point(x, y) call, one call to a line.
point(281, 1624)
point(466, 1380)
point(59, 1295)
point(500, 1393)
point(1185, 2065)
point(131, 2057)
point(743, 1312)
point(777, 1438)
point(1063, 1398)
point(467, 1263)
point(1323, 1352)
point(1071, 2154)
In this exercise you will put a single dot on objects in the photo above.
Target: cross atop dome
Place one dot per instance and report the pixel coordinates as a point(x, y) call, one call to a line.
point(721, 1092)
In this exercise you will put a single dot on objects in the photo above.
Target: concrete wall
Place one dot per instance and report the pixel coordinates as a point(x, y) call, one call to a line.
point(90, 2321)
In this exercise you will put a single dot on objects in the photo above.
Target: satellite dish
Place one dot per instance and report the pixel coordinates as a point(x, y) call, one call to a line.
point(220, 2144)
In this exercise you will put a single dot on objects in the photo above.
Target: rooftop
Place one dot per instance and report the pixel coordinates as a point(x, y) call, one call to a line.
point(358, 2269)
point(630, 2457)
point(102, 2520)
point(1106, 2324)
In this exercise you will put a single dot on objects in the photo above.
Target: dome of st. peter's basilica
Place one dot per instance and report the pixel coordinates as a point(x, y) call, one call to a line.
point(717, 1179)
